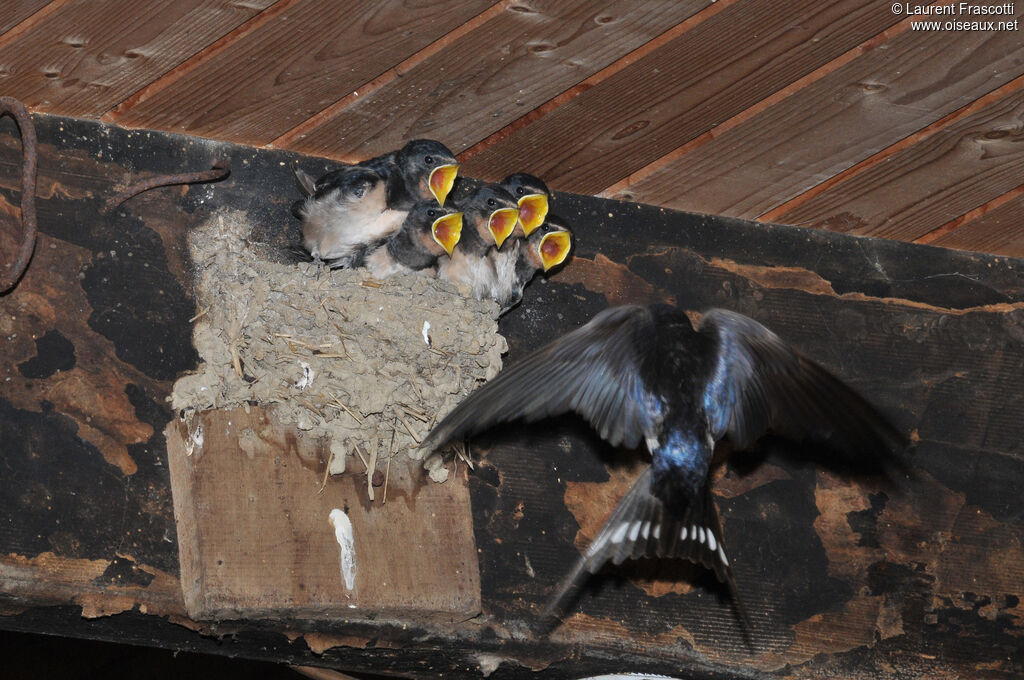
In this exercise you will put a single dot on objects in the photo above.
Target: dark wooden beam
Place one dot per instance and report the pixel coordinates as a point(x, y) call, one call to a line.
point(844, 574)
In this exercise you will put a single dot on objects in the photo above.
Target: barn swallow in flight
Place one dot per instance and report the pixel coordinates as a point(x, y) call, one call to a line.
point(517, 264)
point(490, 216)
point(355, 206)
point(428, 233)
point(648, 375)
point(532, 197)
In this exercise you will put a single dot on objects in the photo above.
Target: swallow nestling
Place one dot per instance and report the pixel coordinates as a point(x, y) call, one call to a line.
point(647, 375)
point(517, 264)
point(428, 233)
point(490, 215)
point(532, 197)
point(357, 205)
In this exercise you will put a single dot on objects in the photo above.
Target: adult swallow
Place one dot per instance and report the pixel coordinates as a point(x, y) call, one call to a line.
point(646, 375)
point(357, 205)
point(516, 265)
point(490, 216)
point(532, 197)
point(428, 233)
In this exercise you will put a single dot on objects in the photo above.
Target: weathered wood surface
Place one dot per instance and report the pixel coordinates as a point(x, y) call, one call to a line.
point(493, 74)
point(253, 503)
point(321, 52)
point(901, 82)
point(995, 228)
point(943, 174)
point(14, 12)
point(681, 90)
point(83, 58)
point(844, 575)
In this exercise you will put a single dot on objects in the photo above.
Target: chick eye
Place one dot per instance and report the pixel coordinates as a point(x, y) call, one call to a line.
point(431, 213)
point(429, 160)
point(491, 202)
point(519, 191)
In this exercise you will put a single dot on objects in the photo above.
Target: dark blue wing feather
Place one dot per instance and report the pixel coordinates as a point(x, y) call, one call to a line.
point(760, 383)
point(595, 371)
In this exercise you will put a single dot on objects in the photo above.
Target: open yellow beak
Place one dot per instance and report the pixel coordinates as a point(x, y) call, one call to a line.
point(441, 180)
point(554, 248)
point(501, 224)
point(447, 231)
point(533, 209)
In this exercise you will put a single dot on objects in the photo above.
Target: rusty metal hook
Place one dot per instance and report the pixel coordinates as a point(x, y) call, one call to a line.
point(220, 170)
point(11, 273)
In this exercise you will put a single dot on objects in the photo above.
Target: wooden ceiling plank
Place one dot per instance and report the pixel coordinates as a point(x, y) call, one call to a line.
point(211, 51)
point(835, 122)
point(682, 90)
point(88, 56)
point(300, 131)
point(997, 227)
point(623, 62)
point(287, 70)
point(885, 154)
point(13, 12)
point(514, 62)
point(971, 215)
point(972, 161)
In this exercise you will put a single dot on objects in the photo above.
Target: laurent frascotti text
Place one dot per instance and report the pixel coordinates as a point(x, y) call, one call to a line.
point(957, 9)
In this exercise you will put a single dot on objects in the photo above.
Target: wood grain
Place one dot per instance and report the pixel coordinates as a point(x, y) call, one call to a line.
point(944, 175)
point(313, 53)
point(999, 230)
point(86, 58)
point(896, 88)
point(680, 91)
point(474, 86)
point(13, 12)
point(255, 540)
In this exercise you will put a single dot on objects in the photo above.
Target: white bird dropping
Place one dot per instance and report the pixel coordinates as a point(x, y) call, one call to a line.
point(426, 330)
point(307, 376)
point(343, 533)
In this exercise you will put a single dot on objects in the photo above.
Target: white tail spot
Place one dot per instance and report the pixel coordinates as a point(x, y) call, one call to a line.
point(682, 534)
point(657, 532)
point(620, 533)
point(645, 530)
point(634, 530)
point(700, 532)
point(712, 544)
point(721, 553)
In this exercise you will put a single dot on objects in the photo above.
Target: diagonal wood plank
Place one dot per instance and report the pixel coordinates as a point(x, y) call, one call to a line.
point(876, 99)
point(87, 57)
point(516, 61)
point(999, 230)
point(680, 91)
point(13, 12)
point(284, 71)
point(922, 187)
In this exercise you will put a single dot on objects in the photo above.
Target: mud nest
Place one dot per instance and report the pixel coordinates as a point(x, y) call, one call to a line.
point(347, 359)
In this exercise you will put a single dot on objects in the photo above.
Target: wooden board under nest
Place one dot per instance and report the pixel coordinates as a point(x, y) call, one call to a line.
point(314, 390)
point(253, 509)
